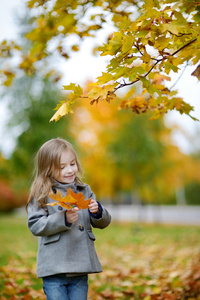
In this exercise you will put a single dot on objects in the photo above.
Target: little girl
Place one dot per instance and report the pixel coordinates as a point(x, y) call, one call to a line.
point(66, 253)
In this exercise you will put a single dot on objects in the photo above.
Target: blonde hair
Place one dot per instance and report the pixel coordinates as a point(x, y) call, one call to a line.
point(47, 166)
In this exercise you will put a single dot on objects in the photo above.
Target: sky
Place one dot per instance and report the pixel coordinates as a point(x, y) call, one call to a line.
point(84, 66)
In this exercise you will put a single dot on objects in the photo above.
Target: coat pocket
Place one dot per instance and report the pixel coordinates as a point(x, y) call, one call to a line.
point(51, 239)
point(91, 235)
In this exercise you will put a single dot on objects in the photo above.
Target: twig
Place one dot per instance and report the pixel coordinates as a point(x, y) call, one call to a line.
point(157, 61)
point(179, 77)
point(184, 46)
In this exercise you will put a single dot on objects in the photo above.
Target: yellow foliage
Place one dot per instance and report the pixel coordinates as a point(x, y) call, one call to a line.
point(62, 111)
point(96, 128)
point(172, 32)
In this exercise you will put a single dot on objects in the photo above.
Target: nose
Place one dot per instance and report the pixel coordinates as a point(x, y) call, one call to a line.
point(69, 169)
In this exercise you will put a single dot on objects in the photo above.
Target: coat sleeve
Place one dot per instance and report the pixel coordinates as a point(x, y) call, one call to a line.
point(41, 223)
point(105, 219)
point(102, 222)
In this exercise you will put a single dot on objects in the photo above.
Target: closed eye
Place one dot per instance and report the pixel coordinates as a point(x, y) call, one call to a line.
point(73, 162)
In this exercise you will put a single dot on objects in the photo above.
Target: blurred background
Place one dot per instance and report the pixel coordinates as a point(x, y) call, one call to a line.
point(129, 161)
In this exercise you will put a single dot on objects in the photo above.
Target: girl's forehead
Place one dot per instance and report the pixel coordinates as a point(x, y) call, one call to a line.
point(67, 156)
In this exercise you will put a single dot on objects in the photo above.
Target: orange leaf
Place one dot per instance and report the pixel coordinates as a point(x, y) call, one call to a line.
point(58, 197)
point(65, 205)
point(83, 204)
point(69, 200)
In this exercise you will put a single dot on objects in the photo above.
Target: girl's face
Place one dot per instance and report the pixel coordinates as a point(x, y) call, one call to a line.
point(68, 167)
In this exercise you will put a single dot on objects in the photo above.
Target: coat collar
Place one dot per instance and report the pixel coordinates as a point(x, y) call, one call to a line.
point(64, 186)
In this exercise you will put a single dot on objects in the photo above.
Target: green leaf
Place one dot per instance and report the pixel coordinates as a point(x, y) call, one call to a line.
point(169, 67)
point(125, 24)
point(162, 42)
point(134, 72)
point(73, 87)
point(196, 17)
point(104, 78)
point(127, 43)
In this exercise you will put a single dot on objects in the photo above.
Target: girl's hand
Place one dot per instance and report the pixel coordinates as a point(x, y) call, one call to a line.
point(93, 206)
point(72, 215)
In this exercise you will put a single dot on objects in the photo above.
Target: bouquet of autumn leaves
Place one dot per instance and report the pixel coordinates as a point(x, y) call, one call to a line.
point(70, 200)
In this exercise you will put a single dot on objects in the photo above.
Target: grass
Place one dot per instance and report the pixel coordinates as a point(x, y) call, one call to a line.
point(140, 262)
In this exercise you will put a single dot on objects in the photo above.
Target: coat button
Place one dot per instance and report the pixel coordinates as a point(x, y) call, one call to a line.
point(81, 228)
point(60, 208)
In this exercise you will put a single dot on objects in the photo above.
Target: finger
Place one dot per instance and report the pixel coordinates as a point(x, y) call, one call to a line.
point(92, 210)
point(76, 209)
point(73, 219)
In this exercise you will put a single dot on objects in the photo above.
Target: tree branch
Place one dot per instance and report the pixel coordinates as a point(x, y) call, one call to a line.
point(194, 40)
point(157, 61)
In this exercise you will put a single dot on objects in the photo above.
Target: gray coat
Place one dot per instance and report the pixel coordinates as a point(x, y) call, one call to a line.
point(62, 248)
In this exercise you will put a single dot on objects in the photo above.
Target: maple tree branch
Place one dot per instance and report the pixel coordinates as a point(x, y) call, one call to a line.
point(138, 79)
point(157, 61)
point(138, 49)
point(194, 40)
point(179, 35)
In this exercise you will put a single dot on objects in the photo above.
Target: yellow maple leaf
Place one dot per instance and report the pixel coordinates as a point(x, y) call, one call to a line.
point(62, 111)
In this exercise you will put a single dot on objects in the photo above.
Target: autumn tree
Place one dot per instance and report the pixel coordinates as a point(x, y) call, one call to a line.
point(126, 155)
point(30, 113)
point(29, 116)
point(30, 101)
point(192, 189)
point(8, 198)
point(150, 39)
